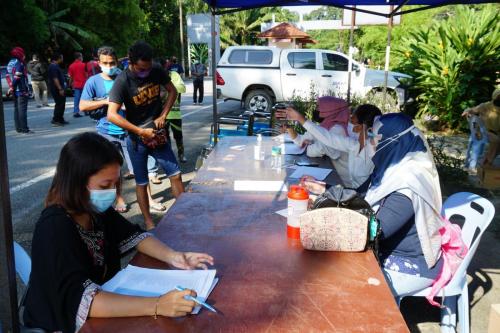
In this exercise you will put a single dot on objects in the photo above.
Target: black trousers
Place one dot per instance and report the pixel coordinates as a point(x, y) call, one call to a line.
point(198, 85)
point(176, 125)
point(59, 107)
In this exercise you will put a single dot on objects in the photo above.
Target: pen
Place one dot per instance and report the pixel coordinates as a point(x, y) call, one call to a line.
point(191, 298)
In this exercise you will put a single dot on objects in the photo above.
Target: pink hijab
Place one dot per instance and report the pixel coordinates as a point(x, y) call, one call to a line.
point(334, 111)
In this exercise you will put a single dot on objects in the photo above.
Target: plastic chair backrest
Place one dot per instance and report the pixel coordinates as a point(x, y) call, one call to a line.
point(478, 213)
point(23, 263)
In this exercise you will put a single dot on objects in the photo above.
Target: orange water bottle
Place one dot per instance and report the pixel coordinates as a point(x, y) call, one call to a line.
point(298, 198)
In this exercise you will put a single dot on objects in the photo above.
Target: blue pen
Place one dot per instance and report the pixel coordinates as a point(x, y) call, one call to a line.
point(191, 298)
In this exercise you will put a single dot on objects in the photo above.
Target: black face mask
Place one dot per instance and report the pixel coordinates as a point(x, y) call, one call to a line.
point(496, 102)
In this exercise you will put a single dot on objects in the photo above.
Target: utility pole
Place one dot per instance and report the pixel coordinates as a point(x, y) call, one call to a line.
point(181, 29)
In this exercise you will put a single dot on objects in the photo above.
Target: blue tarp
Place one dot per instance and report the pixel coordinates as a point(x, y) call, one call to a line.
point(242, 4)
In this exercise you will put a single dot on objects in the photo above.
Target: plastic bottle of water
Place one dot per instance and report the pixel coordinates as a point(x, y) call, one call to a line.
point(276, 158)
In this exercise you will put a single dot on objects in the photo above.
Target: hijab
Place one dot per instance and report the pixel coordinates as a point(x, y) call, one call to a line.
point(333, 111)
point(18, 53)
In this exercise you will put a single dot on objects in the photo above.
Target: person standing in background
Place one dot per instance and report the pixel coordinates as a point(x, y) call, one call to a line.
point(92, 66)
point(174, 117)
point(198, 72)
point(17, 79)
point(38, 72)
point(174, 66)
point(56, 86)
point(77, 77)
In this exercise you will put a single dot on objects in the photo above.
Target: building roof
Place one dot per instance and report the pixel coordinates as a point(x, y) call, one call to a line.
point(283, 30)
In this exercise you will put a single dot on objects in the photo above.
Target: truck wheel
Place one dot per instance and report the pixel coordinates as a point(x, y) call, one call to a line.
point(391, 102)
point(258, 100)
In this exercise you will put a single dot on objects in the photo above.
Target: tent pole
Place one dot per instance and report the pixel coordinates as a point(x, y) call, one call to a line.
point(349, 75)
point(8, 306)
point(387, 57)
point(181, 29)
point(214, 81)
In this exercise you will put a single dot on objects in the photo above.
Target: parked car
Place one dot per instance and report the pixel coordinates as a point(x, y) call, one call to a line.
point(261, 76)
point(5, 85)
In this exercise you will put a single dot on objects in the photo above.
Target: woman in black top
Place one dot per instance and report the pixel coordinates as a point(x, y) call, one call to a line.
point(79, 239)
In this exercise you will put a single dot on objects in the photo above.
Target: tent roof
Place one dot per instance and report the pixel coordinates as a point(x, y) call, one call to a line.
point(283, 30)
point(248, 4)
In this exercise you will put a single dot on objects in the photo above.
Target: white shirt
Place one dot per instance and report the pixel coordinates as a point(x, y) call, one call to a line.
point(359, 164)
point(339, 159)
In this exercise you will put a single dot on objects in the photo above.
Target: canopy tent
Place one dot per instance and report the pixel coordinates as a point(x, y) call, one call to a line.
point(221, 7)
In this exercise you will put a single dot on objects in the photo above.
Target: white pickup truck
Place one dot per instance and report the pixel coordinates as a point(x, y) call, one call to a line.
point(260, 76)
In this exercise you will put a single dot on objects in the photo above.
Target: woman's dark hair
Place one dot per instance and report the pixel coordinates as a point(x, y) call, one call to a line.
point(366, 114)
point(108, 51)
point(81, 157)
point(140, 51)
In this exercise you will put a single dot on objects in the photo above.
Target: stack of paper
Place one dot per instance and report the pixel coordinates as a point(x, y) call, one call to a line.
point(146, 282)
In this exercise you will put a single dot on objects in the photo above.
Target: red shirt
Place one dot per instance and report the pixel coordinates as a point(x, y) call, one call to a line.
point(78, 74)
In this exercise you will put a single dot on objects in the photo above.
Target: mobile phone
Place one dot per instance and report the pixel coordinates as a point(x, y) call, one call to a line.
point(307, 163)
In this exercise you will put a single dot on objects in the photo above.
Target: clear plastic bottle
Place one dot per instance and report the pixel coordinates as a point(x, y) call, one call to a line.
point(258, 152)
point(276, 158)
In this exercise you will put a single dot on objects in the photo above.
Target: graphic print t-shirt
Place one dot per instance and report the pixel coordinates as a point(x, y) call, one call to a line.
point(141, 96)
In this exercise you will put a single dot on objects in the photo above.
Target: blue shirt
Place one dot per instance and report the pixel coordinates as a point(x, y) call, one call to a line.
point(16, 72)
point(97, 87)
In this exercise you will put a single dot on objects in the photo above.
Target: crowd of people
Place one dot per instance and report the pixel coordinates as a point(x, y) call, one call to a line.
point(80, 235)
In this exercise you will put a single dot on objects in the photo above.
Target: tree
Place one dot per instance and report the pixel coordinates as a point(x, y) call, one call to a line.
point(22, 23)
point(324, 13)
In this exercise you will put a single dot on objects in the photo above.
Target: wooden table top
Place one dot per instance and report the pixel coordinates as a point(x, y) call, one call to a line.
point(233, 159)
point(268, 283)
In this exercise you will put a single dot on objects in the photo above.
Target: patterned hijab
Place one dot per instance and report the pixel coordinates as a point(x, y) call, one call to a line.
point(334, 111)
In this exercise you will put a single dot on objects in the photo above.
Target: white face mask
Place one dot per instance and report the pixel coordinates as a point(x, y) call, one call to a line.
point(111, 71)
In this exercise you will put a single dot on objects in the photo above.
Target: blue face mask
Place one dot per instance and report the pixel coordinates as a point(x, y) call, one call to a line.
point(111, 71)
point(102, 199)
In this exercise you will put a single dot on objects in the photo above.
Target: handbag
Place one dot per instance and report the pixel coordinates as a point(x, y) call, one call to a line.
point(340, 220)
point(160, 136)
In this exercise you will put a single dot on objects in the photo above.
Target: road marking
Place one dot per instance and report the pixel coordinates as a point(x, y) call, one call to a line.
point(200, 109)
point(30, 182)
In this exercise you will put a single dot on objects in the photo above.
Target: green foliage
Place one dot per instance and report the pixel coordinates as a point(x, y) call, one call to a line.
point(324, 13)
point(454, 62)
point(337, 40)
point(305, 105)
point(199, 52)
point(449, 167)
point(23, 24)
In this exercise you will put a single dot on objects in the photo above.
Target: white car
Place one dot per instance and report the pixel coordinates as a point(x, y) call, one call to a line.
point(260, 76)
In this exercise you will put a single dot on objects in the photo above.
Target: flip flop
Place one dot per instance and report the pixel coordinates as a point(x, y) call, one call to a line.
point(155, 180)
point(157, 206)
point(122, 208)
point(129, 176)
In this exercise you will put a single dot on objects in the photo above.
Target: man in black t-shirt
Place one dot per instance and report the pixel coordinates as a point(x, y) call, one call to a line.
point(57, 86)
point(138, 87)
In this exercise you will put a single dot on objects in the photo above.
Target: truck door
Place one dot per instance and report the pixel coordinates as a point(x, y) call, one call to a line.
point(298, 70)
point(333, 77)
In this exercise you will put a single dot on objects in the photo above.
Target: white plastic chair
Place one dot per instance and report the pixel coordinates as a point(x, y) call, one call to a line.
point(478, 213)
point(23, 263)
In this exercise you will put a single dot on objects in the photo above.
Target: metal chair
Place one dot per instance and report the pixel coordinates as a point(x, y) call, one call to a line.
point(477, 213)
point(23, 263)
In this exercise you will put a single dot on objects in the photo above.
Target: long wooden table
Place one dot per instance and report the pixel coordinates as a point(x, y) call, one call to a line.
point(268, 283)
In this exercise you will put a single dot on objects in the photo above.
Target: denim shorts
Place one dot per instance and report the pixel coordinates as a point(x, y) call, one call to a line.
point(139, 156)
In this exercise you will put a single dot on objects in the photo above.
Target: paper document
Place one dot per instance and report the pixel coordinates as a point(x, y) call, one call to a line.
point(260, 185)
point(292, 149)
point(146, 282)
point(318, 173)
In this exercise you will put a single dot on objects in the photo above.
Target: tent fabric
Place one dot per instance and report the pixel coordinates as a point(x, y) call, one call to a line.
point(242, 4)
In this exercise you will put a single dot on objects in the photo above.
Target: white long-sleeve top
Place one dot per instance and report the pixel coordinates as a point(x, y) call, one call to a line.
point(316, 148)
point(359, 165)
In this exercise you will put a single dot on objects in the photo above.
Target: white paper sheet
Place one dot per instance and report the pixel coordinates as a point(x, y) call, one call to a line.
point(291, 149)
point(260, 185)
point(318, 173)
point(138, 281)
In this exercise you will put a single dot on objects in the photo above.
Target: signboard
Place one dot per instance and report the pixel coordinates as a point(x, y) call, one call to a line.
point(199, 28)
point(370, 19)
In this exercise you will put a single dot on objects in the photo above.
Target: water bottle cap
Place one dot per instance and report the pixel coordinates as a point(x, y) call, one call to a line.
point(276, 150)
point(298, 192)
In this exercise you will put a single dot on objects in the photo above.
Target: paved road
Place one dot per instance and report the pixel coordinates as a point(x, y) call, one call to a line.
point(32, 158)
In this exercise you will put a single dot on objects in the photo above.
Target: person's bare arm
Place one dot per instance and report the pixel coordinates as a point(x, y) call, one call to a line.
point(171, 304)
point(118, 120)
point(86, 105)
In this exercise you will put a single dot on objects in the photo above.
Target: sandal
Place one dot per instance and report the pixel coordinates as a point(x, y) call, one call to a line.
point(155, 180)
point(128, 176)
point(121, 208)
point(157, 206)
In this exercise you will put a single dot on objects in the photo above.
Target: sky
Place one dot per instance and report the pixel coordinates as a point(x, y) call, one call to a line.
point(301, 9)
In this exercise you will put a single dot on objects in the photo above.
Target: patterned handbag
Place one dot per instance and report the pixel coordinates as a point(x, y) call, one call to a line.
point(334, 229)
